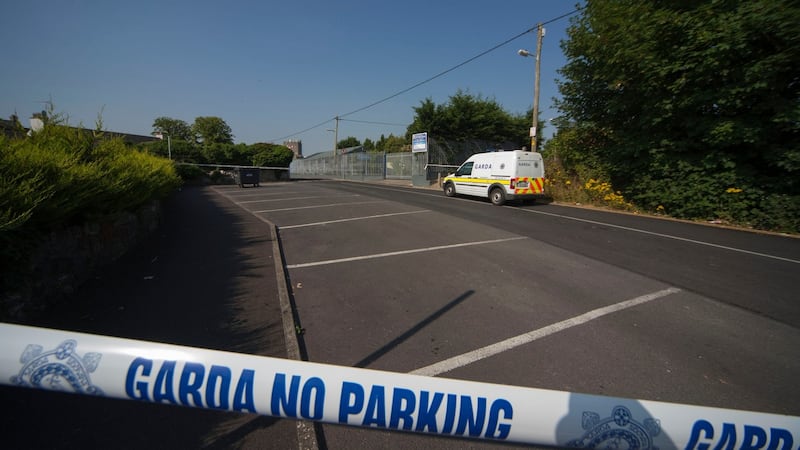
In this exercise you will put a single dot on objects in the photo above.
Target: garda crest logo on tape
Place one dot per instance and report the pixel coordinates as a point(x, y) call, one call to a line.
point(60, 369)
point(620, 428)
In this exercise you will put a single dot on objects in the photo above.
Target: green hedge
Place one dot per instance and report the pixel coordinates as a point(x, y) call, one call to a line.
point(62, 176)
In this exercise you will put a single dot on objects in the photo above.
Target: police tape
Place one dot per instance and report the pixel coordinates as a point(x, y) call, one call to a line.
point(161, 373)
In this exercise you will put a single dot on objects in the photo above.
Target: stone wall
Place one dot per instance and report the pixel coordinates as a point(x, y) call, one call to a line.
point(66, 258)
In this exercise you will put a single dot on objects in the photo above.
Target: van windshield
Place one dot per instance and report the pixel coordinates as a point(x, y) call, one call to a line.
point(466, 169)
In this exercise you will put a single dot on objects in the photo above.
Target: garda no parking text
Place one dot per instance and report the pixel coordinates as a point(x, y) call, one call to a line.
point(161, 373)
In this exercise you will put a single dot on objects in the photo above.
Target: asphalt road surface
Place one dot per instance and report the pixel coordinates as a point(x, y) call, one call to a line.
point(562, 298)
point(408, 280)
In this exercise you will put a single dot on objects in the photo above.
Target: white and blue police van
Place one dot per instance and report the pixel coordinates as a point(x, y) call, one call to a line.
point(499, 176)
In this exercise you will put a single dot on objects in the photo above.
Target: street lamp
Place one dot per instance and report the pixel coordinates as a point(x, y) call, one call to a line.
point(160, 135)
point(538, 56)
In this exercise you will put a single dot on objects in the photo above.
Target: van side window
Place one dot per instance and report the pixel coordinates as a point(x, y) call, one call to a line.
point(466, 169)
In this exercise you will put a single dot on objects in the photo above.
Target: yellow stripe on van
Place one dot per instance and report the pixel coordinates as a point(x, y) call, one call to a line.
point(477, 180)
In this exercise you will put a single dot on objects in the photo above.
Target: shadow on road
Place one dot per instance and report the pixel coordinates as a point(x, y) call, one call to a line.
point(374, 356)
point(206, 279)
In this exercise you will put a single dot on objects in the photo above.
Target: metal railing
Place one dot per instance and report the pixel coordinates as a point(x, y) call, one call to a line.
point(441, 159)
point(353, 166)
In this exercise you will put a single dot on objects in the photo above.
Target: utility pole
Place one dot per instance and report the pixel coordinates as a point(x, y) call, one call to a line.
point(335, 145)
point(534, 130)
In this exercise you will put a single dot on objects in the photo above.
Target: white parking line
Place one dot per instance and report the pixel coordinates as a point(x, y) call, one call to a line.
point(402, 252)
point(297, 198)
point(666, 236)
point(318, 206)
point(237, 196)
point(351, 219)
point(636, 230)
point(502, 346)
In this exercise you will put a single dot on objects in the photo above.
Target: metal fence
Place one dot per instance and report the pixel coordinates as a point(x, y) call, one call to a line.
point(398, 165)
point(353, 166)
point(421, 168)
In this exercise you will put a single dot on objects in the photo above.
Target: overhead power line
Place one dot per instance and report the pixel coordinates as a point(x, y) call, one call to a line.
point(428, 80)
point(438, 75)
point(375, 123)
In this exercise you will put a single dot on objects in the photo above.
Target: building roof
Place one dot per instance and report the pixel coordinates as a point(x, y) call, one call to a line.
point(9, 128)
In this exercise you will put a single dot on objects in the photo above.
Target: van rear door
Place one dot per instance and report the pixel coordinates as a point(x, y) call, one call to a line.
point(530, 174)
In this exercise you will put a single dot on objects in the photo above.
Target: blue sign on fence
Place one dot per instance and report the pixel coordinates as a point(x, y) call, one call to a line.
point(419, 142)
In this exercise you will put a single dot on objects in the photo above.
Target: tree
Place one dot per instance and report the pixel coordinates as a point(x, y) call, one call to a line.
point(426, 118)
point(348, 142)
point(521, 125)
point(466, 117)
point(271, 155)
point(693, 102)
point(392, 144)
point(212, 130)
point(176, 128)
point(221, 153)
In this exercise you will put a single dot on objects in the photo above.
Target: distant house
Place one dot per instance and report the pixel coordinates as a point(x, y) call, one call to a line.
point(12, 128)
point(129, 138)
point(356, 149)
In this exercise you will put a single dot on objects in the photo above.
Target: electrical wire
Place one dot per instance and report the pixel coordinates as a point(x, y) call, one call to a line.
point(428, 80)
point(375, 123)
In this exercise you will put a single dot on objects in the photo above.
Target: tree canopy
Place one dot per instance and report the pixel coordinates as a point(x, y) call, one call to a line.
point(176, 128)
point(467, 117)
point(392, 144)
point(348, 142)
point(212, 130)
point(214, 144)
point(271, 155)
point(691, 106)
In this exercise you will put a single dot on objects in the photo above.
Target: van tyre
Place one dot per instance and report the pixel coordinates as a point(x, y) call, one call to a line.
point(497, 196)
point(450, 190)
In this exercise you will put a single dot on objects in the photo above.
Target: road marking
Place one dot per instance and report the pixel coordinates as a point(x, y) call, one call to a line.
point(351, 219)
point(297, 198)
point(510, 343)
point(636, 230)
point(317, 206)
point(237, 196)
point(666, 236)
point(402, 252)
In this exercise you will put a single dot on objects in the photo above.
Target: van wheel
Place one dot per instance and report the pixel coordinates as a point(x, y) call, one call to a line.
point(497, 196)
point(449, 190)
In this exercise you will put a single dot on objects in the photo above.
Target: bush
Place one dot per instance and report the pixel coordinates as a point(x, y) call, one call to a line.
point(703, 186)
point(189, 172)
point(271, 155)
point(61, 176)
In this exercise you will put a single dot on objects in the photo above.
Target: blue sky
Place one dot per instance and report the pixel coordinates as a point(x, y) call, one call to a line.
point(270, 69)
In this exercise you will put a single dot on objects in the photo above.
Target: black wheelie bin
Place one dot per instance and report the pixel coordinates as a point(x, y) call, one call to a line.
point(248, 175)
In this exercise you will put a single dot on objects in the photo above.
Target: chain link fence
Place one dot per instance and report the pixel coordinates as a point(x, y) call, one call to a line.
point(441, 159)
point(351, 166)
